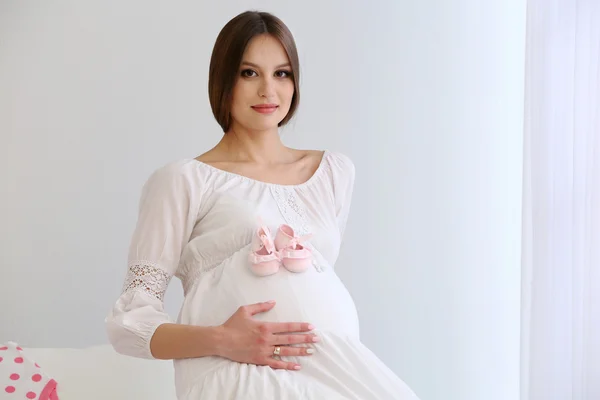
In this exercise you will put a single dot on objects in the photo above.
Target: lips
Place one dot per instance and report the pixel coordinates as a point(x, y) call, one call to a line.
point(265, 108)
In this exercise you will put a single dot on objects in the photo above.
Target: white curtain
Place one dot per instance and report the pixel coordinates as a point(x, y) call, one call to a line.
point(561, 214)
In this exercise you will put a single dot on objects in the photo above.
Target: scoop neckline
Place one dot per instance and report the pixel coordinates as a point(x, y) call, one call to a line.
point(256, 181)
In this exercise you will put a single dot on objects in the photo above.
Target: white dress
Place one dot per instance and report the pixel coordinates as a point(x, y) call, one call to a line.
point(196, 222)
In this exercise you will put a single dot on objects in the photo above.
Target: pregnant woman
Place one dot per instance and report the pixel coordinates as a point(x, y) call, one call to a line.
point(252, 229)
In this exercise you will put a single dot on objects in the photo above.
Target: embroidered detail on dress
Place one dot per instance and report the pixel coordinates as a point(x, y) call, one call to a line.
point(293, 213)
point(291, 208)
point(147, 278)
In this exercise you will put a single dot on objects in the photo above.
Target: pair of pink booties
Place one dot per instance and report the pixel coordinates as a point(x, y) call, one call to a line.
point(267, 255)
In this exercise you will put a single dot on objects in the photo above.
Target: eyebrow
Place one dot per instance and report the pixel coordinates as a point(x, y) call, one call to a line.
point(256, 66)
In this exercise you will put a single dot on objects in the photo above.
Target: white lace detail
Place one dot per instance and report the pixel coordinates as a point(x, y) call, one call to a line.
point(147, 278)
point(291, 209)
point(293, 213)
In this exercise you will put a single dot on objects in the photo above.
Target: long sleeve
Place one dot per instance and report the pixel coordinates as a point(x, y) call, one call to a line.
point(343, 185)
point(167, 215)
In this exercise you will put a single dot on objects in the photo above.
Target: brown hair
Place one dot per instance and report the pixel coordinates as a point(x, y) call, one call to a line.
point(227, 57)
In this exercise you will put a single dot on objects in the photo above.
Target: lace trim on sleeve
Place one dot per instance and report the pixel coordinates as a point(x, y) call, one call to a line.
point(147, 278)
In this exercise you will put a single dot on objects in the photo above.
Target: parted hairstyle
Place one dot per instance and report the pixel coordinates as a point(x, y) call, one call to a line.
point(227, 55)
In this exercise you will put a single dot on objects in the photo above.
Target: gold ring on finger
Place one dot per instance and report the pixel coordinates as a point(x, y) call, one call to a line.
point(277, 351)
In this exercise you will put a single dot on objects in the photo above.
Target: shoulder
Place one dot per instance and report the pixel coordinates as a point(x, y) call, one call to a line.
point(173, 170)
point(175, 175)
point(341, 172)
point(340, 163)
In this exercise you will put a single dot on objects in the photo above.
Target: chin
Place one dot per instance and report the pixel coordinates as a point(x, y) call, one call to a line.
point(260, 122)
point(265, 124)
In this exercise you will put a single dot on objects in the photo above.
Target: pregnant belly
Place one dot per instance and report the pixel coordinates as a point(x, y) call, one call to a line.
point(319, 298)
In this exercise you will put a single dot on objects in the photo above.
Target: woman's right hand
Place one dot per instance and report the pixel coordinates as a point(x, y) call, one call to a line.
point(249, 341)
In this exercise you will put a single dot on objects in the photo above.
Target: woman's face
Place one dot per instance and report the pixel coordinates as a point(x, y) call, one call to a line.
point(265, 78)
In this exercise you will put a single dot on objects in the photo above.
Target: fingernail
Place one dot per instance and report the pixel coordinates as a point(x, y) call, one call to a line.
point(297, 367)
point(311, 327)
point(310, 351)
point(316, 339)
point(271, 301)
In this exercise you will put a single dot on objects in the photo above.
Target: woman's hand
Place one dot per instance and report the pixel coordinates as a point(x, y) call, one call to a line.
point(247, 340)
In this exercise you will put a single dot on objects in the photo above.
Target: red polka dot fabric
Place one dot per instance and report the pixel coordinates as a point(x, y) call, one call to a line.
point(22, 378)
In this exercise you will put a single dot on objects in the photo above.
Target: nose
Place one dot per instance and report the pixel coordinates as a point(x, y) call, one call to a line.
point(266, 88)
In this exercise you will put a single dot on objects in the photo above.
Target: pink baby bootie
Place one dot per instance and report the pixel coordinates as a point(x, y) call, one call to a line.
point(263, 257)
point(294, 256)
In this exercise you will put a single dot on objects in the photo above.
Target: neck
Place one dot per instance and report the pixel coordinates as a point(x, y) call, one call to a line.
point(261, 147)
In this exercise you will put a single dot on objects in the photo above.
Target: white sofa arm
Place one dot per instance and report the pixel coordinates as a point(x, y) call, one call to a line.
point(100, 373)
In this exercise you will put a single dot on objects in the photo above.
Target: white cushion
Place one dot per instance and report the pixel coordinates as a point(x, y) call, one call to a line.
point(100, 373)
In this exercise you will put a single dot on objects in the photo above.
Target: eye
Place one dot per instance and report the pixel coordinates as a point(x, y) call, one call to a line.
point(286, 74)
point(247, 73)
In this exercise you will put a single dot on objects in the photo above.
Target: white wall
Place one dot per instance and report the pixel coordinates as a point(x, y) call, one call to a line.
point(426, 97)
